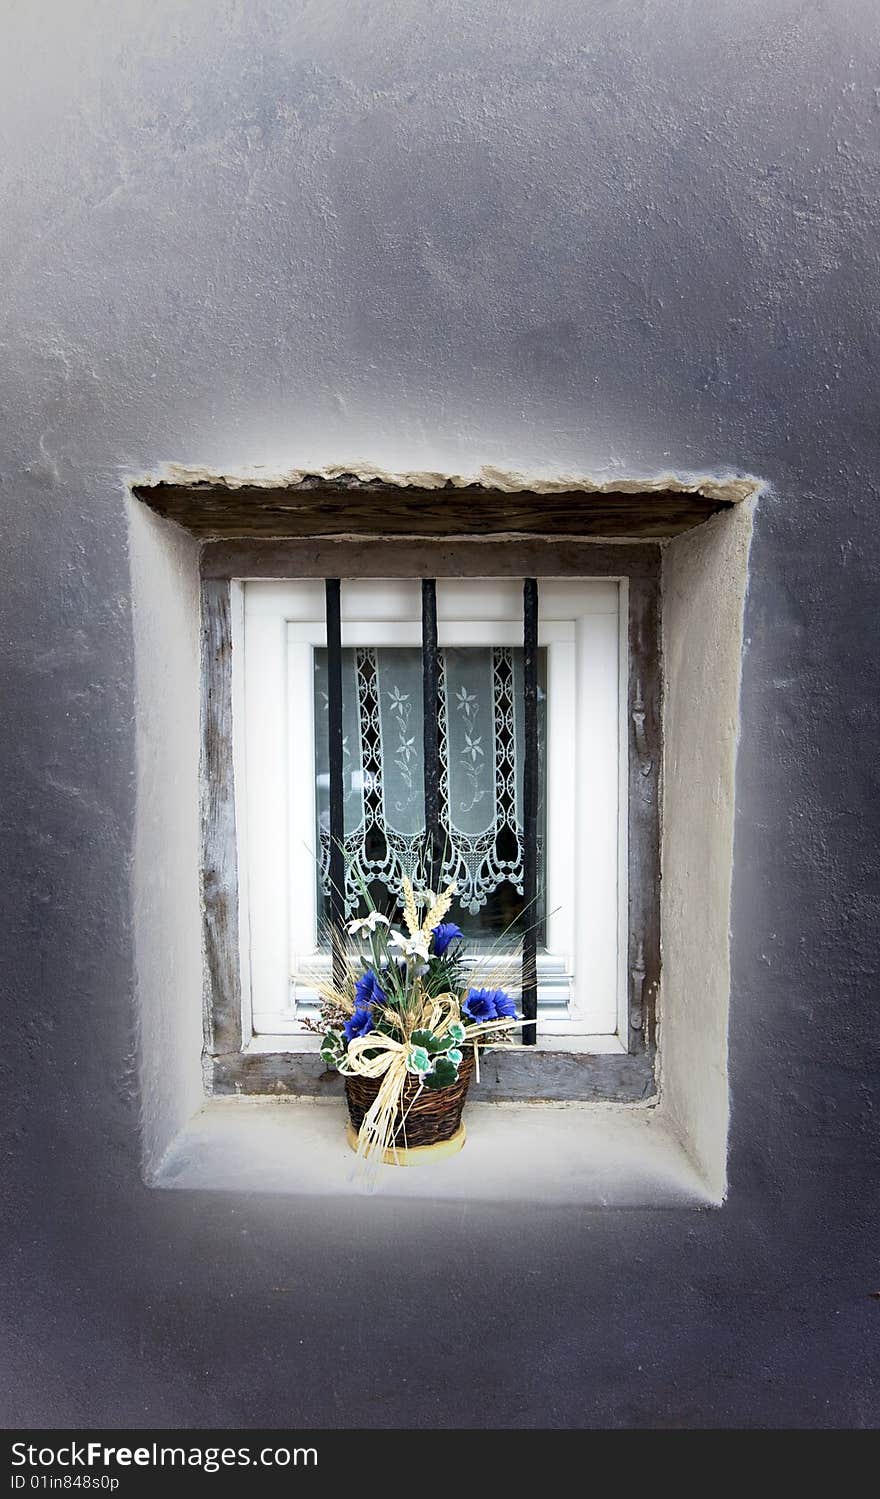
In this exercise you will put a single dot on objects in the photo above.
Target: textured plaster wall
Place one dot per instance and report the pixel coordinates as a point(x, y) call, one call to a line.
point(574, 237)
point(166, 909)
point(704, 579)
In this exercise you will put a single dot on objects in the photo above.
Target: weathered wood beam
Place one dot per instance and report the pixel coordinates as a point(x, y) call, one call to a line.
point(530, 810)
point(474, 557)
point(329, 507)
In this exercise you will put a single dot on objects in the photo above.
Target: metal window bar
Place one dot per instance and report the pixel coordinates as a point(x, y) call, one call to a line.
point(431, 733)
point(530, 810)
point(430, 663)
point(337, 788)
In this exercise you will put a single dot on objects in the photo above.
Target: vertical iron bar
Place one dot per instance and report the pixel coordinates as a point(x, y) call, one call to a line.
point(430, 688)
point(337, 789)
point(530, 810)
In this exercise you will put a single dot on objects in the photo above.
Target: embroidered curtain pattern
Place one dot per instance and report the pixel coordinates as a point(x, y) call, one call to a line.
point(481, 756)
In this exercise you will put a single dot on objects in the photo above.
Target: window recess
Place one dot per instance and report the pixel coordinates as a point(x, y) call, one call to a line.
point(365, 526)
point(194, 976)
point(506, 741)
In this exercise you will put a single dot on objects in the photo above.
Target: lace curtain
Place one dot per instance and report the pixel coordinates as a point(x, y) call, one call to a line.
point(481, 756)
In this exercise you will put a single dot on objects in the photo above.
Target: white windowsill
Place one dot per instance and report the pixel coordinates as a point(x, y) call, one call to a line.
point(583, 1155)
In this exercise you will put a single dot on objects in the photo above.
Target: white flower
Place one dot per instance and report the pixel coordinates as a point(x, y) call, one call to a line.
point(367, 924)
point(466, 702)
point(413, 950)
point(473, 750)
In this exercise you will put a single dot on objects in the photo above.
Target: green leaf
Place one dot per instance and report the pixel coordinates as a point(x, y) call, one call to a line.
point(425, 1039)
point(418, 1060)
point(444, 1073)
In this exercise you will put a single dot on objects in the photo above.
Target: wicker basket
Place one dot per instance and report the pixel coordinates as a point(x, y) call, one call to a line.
point(434, 1116)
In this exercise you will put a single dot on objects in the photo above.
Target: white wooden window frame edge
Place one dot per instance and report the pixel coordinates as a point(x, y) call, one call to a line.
point(276, 627)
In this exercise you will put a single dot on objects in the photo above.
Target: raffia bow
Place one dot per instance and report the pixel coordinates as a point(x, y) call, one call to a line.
point(379, 1127)
point(388, 1059)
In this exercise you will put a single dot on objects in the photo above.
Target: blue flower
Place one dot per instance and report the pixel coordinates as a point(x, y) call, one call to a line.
point(444, 934)
point(505, 1009)
point(368, 991)
point(360, 1024)
point(489, 1004)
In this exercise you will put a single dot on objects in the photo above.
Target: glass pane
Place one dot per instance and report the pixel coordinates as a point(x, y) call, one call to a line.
point(480, 719)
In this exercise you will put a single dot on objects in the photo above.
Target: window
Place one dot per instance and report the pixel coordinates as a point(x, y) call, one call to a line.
point(280, 747)
point(252, 549)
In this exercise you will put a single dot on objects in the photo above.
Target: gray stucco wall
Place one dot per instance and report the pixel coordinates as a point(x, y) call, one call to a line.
point(573, 235)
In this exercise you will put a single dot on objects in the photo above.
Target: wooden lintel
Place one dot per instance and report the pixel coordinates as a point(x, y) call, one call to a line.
point(329, 507)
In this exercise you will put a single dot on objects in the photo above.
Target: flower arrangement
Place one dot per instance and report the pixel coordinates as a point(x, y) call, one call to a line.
point(408, 1010)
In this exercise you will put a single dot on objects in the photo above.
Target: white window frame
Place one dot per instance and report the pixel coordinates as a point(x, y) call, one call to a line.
point(277, 625)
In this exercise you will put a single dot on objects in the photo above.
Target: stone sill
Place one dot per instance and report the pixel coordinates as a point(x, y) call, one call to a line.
point(577, 1155)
